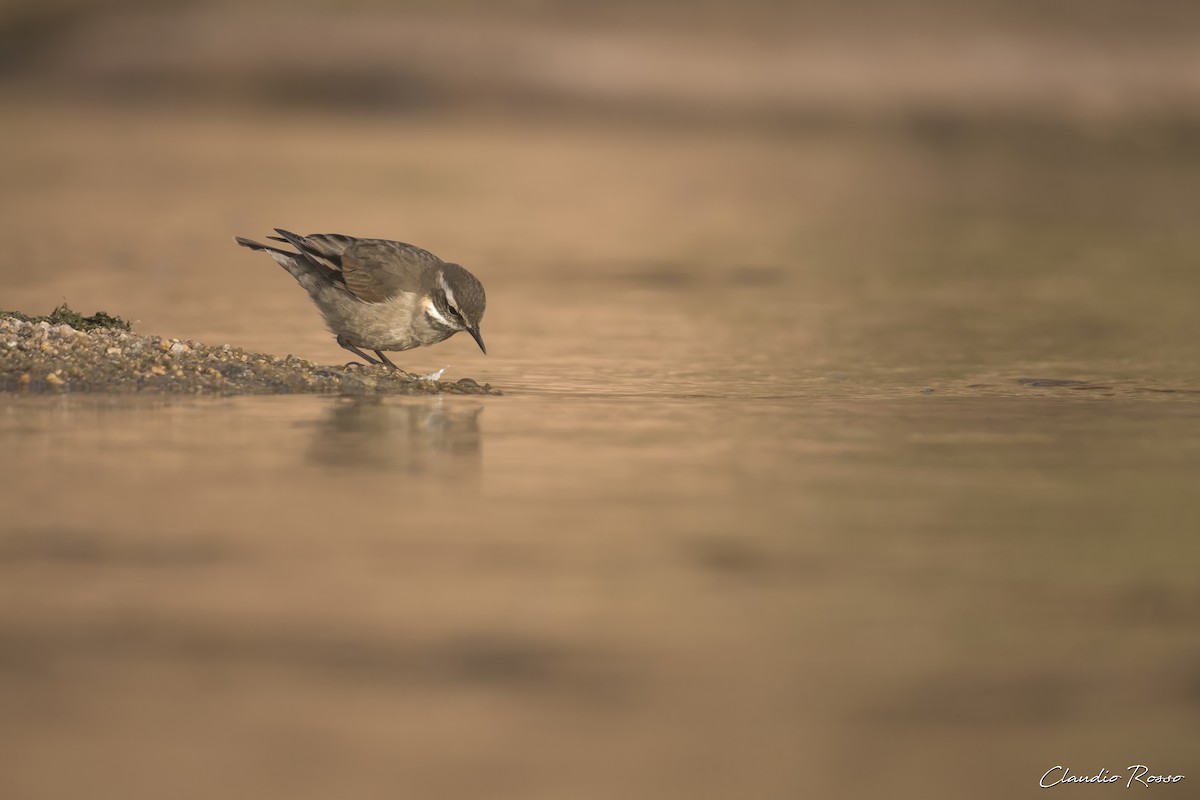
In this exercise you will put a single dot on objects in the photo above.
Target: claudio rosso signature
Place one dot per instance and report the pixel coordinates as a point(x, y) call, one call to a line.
point(1138, 774)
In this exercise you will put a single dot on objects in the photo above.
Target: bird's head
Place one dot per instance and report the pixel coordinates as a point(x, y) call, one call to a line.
point(457, 300)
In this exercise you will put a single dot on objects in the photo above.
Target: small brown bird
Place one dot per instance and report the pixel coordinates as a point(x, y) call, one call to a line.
point(377, 294)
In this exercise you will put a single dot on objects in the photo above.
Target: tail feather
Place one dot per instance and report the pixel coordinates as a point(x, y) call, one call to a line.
point(253, 245)
point(311, 272)
point(323, 249)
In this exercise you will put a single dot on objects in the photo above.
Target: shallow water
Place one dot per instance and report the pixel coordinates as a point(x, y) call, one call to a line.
point(717, 588)
point(910, 505)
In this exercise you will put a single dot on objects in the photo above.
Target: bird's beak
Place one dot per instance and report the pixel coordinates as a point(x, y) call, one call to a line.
point(474, 331)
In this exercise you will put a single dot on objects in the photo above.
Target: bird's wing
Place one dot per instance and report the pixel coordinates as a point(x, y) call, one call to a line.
point(379, 269)
point(372, 269)
point(324, 249)
point(327, 247)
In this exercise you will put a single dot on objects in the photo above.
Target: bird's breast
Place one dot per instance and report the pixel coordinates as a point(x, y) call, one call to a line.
point(397, 323)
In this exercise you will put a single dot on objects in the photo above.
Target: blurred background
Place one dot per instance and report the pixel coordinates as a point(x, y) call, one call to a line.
point(902, 157)
point(849, 441)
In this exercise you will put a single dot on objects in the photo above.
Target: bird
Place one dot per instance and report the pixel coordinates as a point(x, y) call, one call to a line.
point(379, 294)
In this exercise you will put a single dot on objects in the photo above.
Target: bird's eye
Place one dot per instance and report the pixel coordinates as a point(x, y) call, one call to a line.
point(454, 312)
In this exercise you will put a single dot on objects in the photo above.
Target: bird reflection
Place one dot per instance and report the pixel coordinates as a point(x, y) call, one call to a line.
point(430, 435)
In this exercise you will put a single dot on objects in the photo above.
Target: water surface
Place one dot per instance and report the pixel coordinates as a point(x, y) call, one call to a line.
point(839, 466)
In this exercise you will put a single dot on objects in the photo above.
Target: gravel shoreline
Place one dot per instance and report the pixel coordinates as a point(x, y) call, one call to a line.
point(41, 355)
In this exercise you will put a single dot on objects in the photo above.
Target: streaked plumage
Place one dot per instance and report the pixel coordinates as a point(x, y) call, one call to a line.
point(377, 294)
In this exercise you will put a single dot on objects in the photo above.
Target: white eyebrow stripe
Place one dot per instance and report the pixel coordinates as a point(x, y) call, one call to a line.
point(446, 289)
point(432, 311)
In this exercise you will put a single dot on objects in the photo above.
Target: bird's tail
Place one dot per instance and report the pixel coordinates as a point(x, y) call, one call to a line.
point(322, 248)
point(253, 245)
point(314, 276)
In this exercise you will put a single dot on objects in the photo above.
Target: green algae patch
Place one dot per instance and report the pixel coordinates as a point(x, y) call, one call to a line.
point(65, 315)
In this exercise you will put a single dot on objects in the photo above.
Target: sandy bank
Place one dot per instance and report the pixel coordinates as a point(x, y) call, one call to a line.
point(65, 351)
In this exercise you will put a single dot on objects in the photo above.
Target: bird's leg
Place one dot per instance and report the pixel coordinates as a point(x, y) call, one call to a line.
point(388, 361)
point(357, 352)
